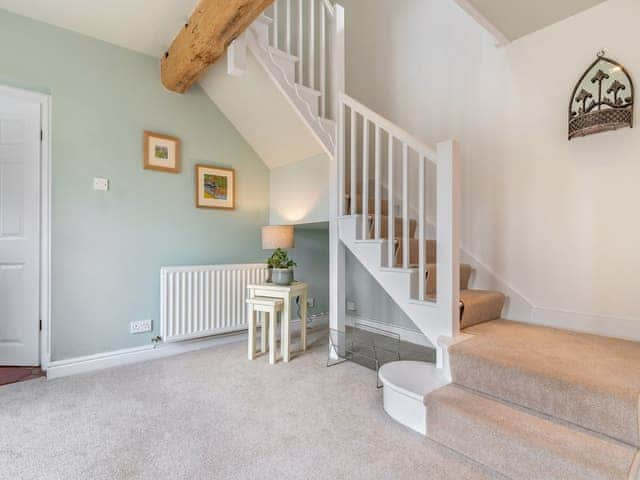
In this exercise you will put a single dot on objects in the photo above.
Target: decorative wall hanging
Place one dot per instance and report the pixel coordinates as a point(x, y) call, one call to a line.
point(215, 187)
point(161, 152)
point(602, 99)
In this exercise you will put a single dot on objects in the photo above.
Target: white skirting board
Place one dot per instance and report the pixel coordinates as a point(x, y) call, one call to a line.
point(116, 358)
point(99, 361)
point(406, 335)
point(522, 309)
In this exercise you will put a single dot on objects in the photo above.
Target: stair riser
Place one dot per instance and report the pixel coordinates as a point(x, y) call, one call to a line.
point(479, 310)
point(371, 208)
point(287, 65)
point(398, 231)
point(518, 444)
point(414, 252)
point(590, 409)
point(431, 272)
point(311, 98)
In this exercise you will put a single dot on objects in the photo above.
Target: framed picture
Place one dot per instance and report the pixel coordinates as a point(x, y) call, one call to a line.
point(215, 187)
point(161, 152)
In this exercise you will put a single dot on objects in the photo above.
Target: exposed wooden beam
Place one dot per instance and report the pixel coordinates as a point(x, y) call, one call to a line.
point(213, 25)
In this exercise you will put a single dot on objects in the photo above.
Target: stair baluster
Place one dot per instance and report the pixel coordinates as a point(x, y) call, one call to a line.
point(309, 28)
point(354, 173)
point(390, 209)
point(323, 60)
point(300, 42)
point(405, 184)
point(365, 179)
point(312, 43)
point(288, 26)
point(405, 205)
point(421, 230)
point(377, 186)
point(275, 30)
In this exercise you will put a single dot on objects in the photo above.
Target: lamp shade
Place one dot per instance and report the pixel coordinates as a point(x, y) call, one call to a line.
point(280, 236)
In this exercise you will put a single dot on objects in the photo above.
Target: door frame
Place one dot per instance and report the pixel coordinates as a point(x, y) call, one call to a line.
point(45, 214)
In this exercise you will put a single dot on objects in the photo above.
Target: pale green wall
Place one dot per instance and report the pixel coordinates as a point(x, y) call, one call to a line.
point(108, 247)
point(372, 302)
point(312, 256)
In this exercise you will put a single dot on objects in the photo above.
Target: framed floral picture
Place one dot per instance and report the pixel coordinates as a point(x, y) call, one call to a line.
point(161, 152)
point(215, 187)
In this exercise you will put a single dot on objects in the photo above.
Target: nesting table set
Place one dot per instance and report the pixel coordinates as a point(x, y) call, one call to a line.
point(268, 300)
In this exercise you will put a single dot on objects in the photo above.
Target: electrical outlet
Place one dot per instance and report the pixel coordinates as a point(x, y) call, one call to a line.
point(351, 306)
point(140, 326)
point(101, 184)
point(311, 302)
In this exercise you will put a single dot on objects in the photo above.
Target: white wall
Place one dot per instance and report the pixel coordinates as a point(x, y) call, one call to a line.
point(300, 192)
point(552, 220)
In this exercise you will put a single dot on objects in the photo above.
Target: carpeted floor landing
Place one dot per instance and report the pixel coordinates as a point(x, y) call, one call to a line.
point(213, 414)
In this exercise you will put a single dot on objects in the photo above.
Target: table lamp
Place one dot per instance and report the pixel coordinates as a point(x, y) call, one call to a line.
point(277, 236)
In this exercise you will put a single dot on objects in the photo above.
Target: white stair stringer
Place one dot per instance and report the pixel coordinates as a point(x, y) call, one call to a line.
point(281, 68)
point(399, 284)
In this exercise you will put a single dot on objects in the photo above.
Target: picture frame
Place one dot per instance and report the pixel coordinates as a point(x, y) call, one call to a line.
point(161, 152)
point(215, 187)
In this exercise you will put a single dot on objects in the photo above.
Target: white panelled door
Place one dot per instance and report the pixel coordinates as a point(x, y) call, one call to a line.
point(19, 231)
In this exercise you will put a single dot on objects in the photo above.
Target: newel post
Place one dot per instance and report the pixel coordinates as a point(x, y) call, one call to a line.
point(337, 250)
point(448, 245)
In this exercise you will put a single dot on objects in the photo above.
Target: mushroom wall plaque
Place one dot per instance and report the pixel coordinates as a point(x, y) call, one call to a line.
point(602, 100)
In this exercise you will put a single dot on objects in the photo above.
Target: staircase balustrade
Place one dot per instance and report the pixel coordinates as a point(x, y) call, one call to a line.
point(306, 29)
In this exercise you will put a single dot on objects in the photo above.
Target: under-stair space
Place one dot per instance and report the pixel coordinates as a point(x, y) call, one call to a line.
point(399, 206)
point(533, 402)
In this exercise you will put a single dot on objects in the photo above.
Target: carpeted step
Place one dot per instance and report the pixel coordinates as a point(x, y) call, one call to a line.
point(431, 273)
point(479, 306)
point(414, 251)
point(384, 205)
point(520, 444)
point(384, 227)
point(588, 380)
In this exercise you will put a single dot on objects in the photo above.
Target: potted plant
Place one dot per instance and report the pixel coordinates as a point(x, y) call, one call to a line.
point(281, 267)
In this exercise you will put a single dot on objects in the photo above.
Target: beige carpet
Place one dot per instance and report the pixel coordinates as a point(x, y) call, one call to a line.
point(213, 414)
point(519, 443)
point(536, 403)
point(585, 379)
point(478, 306)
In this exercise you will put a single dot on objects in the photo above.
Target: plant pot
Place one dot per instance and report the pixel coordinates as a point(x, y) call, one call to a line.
point(282, 276)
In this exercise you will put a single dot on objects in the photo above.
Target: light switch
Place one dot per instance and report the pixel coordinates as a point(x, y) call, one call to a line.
point(101, 184)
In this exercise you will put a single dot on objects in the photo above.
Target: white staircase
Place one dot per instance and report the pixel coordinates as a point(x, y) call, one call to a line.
point(300, 44)
point(385, 166)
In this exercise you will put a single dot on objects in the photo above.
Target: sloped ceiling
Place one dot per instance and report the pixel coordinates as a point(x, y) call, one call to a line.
point(261, 113)
point(252, 102)
point(146, 26)
point(512, 19)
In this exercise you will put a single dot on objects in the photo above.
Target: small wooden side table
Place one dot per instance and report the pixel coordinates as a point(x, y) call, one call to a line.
point(286, 293)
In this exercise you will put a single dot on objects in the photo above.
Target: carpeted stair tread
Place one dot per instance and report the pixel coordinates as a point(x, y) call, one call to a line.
point(478, 306)
point(520, 444)
point(588, 380)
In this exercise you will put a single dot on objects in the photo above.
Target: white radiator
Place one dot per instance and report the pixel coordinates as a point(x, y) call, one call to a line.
point(205, 300)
